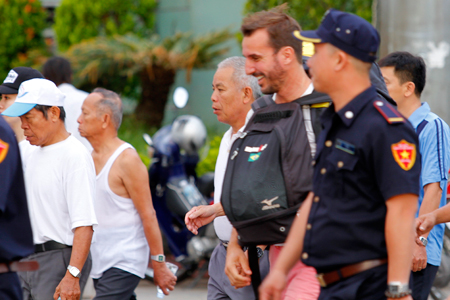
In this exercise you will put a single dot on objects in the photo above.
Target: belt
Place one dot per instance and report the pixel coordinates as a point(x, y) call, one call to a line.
point(19, 266)
point(49, 246)
point(326, 279)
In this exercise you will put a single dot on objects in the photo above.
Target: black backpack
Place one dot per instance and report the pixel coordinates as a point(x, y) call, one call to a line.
point(269, 171)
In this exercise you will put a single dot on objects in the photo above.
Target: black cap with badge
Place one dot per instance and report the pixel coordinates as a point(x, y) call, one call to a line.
point(348, 32)
point(15, 77)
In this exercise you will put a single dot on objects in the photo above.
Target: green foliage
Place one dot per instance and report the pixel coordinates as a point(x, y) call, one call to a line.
point(130, 54)
point(78, 20)
point(131, 131)
point(20, 30)
point(309, 13)
point(209, 163)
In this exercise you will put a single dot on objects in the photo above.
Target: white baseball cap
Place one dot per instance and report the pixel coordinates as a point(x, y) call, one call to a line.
point(33, 92)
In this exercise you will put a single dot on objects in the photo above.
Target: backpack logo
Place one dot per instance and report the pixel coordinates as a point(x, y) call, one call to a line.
point(254, 157)
point(269, 204)
point(255, 149)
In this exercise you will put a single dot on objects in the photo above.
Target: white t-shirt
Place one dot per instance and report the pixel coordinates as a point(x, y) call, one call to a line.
point(72, 105)
point(25, 151)
point(222, 225)
point(60, 184)
point(119, 238)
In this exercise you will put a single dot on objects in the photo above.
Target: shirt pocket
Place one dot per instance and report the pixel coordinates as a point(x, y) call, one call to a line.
point(340, 173)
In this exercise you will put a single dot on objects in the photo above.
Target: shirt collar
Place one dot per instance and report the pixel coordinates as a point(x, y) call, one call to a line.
point(419, 114)
point(308, 91)
point(349, 112)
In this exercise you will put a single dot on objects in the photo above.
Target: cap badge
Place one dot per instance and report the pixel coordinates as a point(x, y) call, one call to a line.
point(12, 76)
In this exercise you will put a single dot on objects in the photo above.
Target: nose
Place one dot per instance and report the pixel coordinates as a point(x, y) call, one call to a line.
point(79, 119)
point(214, 96)
point(24, 124)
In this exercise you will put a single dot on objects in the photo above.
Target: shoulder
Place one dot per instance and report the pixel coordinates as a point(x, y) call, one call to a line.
point(388, 112)
point(129, 160)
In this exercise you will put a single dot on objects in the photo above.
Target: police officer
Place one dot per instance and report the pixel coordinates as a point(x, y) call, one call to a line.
point(15, 228)
point(356, 227)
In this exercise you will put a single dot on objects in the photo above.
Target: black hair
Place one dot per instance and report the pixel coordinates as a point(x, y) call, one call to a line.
point(44, 109)
point(58, 70)
point(407, 67)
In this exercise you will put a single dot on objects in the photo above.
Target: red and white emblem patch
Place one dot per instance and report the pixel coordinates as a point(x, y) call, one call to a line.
point(404, 154)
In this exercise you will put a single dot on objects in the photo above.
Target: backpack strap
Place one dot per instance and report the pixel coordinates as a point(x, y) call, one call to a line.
point(306, 109)
point(254, 266)
point(263, 101)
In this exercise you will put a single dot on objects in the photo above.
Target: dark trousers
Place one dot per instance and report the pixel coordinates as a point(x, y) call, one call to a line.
point(219, 286)
point(115, 284)
point(420, 282)
point(41, 284)
point(10, 288)
point(367, 285)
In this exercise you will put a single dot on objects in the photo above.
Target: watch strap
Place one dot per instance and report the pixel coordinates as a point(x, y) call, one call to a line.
point(158, 257)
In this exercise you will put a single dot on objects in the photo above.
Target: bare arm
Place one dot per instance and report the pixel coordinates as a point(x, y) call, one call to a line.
point(430, 202)
point(69, 287)
point(274, 284)
point(236, 266)
point(202, 215)
point(135, 179)
point(399, 232)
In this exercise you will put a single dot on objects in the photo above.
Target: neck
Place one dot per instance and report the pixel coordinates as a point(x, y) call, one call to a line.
point(407, 106)
point(60, 135)
point(347, 91)
point(104, 143)
point(294, 86)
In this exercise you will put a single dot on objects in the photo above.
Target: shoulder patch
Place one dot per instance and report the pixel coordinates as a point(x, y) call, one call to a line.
point(404, 154)
point(389, 112)
point(4, 147)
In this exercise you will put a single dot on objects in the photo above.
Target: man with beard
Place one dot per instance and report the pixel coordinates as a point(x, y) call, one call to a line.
point(355, 230)
point(274, 57)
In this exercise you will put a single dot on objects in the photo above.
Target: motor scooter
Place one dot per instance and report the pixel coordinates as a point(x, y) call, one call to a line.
point(174, 188)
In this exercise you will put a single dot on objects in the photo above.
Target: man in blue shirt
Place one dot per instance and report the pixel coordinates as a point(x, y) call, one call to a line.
point(404, 75)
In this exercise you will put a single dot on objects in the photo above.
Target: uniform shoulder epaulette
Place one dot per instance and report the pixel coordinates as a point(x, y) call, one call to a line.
point(388, 112)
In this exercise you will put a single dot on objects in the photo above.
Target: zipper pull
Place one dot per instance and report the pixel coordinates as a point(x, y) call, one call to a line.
point(243, 135)
point(235, 153)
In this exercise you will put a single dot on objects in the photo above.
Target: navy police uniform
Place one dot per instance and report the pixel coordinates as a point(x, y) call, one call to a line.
point(367, 153)
point(15, 228)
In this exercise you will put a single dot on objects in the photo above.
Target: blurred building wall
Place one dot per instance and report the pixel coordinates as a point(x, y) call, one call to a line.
point(421, 27)
point(199, 17)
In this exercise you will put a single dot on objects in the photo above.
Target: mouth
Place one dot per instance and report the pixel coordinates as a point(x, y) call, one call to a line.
point(259, 78)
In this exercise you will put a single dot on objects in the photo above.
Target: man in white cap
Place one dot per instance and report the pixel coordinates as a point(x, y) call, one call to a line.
point(60, 184)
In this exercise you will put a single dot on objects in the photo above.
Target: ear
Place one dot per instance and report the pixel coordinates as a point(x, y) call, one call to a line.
point(105, 118)
point(53, 113)
point(409, 88)
point(341, 59)
point(286, 55)
point(247, 94)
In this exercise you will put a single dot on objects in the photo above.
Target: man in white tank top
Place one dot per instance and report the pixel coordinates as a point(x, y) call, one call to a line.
point(127, 221)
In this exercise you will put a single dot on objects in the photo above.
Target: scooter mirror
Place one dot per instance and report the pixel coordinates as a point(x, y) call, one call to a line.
point(147, 139)
point(180, 97)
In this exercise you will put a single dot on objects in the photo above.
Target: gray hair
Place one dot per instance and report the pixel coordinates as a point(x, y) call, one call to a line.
point(110, 104)
point(239, 77)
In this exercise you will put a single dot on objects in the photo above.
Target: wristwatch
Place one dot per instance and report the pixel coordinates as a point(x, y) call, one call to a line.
point(260, 252)
point(158, 258)
point(396, 289)
point(74, 271)
point(423, 240)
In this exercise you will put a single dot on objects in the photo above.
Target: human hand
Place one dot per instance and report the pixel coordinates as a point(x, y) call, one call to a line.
point(425, 223)
point(199, 216)
point(237, 268)
point(273, 285)
point(419, 261)
point(68, 288)
point(163, 277)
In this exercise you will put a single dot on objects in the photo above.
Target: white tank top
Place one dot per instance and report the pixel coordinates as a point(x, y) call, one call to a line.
point(119, 237)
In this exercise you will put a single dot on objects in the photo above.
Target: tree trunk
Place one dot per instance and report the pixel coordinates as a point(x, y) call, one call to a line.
point(155, 91)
